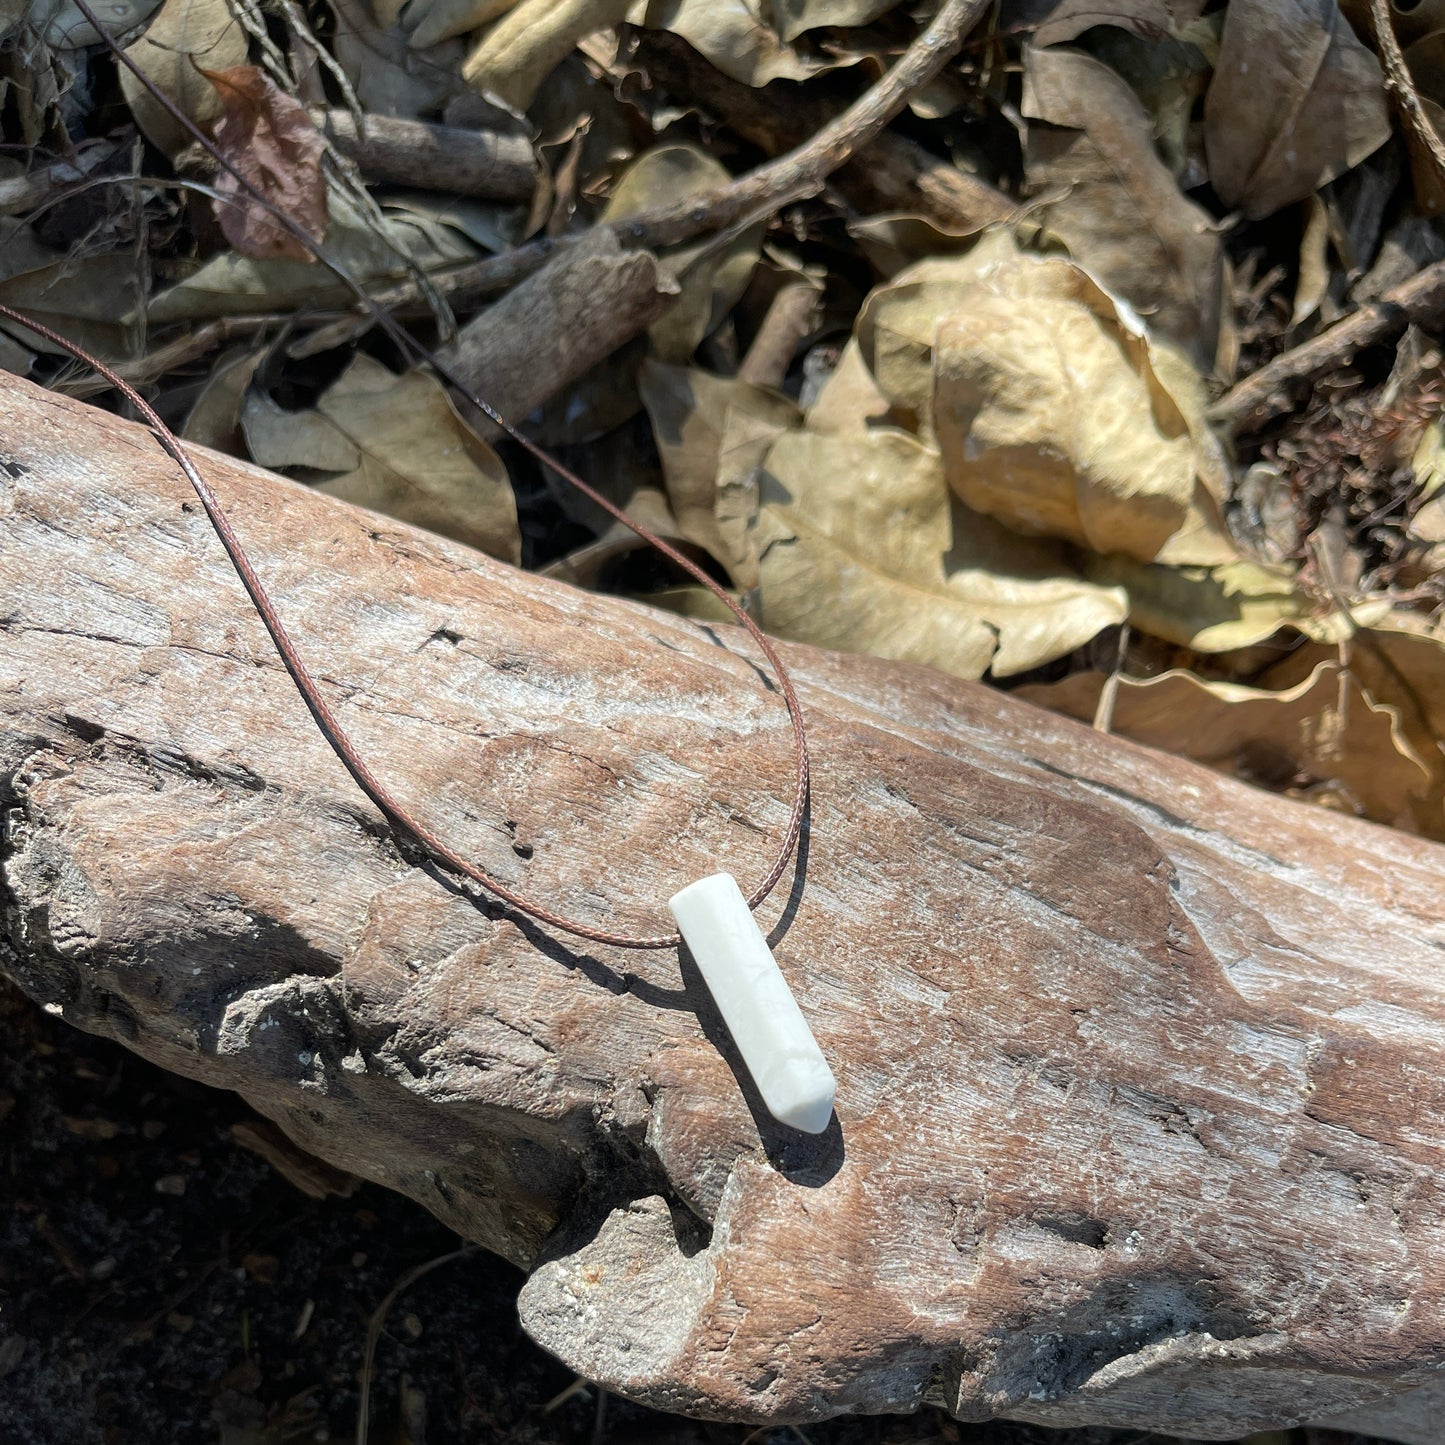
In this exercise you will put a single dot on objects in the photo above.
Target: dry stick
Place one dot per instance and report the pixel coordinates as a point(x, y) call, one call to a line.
point(1271, 390)
point(890, 173)
point(1400, 85)
point(481, 163)
point(791, 315)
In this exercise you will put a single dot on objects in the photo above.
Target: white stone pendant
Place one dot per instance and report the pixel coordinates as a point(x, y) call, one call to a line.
point(756, 1003)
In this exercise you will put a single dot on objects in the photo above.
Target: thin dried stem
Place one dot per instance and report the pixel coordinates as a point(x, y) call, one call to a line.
point(1273, 388)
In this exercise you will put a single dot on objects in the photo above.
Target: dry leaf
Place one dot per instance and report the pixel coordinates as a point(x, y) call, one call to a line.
point(65, 28)
point(1399, 659)
point(738, 37)
point(1296, 100)
point(1325, 738)
point(848, 399)
point(856, 533)
point(403, 449)
point(1219, 609)
point(432, 21)
point(1054, 411)
point(1119, 209)
point(184, 36)
point(712, 435)
point(794, 17)
point(232, 285)
point(269, 138)
point(522, 49)
point(81, 296)
point(711, 283)
point(390, 76)
point(214, 420)
point(1151, 19)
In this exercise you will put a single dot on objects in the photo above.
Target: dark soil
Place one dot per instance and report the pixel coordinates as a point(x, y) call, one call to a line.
point(159, 1283)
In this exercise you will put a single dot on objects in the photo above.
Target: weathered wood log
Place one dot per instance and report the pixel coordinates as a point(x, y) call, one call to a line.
point(1141, 1116)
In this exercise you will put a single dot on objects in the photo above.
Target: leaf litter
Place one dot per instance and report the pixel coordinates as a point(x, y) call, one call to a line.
point(980, 401)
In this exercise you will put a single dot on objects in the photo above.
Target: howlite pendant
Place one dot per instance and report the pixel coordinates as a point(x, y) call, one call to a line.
point(756, 1003)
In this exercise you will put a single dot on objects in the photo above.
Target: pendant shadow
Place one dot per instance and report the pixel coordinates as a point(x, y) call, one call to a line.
point(810, 1160)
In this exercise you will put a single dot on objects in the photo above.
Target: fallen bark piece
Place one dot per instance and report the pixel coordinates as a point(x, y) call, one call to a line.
point(446, 158)
point(1140, 1115)
point(588, 301)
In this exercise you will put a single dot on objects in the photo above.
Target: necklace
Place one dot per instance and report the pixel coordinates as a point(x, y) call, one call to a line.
point(713, 917)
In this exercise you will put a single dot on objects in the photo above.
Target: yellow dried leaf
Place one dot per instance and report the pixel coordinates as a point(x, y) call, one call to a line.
point(857, 535)
point(1218, 609)
point(1400, 662)
point(1054, 410)
point(184, 36)
point(404, 451)
point(521, 50)
point(1325, 738)
point(712, 284)
point(712, 435)
point(739, 37)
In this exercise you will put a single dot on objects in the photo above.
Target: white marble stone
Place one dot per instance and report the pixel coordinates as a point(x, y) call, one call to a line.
point(756, 1003)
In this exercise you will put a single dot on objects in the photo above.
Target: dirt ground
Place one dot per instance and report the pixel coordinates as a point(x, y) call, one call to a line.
point(159, 1283)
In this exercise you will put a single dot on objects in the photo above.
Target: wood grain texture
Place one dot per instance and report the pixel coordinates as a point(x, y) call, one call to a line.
point(1141, 1116)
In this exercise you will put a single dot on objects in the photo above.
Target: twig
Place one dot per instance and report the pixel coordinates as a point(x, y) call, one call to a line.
point(462, 162)
point(378, 1319)
point(890, 173)
point(790, 317)
point(1272, 389)
point(1402, 87)
point(144, 370)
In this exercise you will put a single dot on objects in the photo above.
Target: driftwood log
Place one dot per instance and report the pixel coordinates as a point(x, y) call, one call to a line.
point(1142, 1073)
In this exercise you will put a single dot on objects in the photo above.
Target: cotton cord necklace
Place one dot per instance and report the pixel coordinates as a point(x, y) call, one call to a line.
point(712, 915)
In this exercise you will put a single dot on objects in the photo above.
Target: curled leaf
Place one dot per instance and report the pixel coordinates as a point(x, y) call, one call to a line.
point(1055, 411)
point(857, 534)
point(1326, 737)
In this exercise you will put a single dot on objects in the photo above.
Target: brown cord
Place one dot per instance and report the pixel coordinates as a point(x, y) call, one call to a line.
point(335, 735)
point(306, 684)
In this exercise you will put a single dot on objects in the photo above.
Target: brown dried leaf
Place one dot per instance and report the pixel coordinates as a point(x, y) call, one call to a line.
point(271, 140)
point(712, 435)
point(1296, 100)
point(1120, 211)
point(1151, 19)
